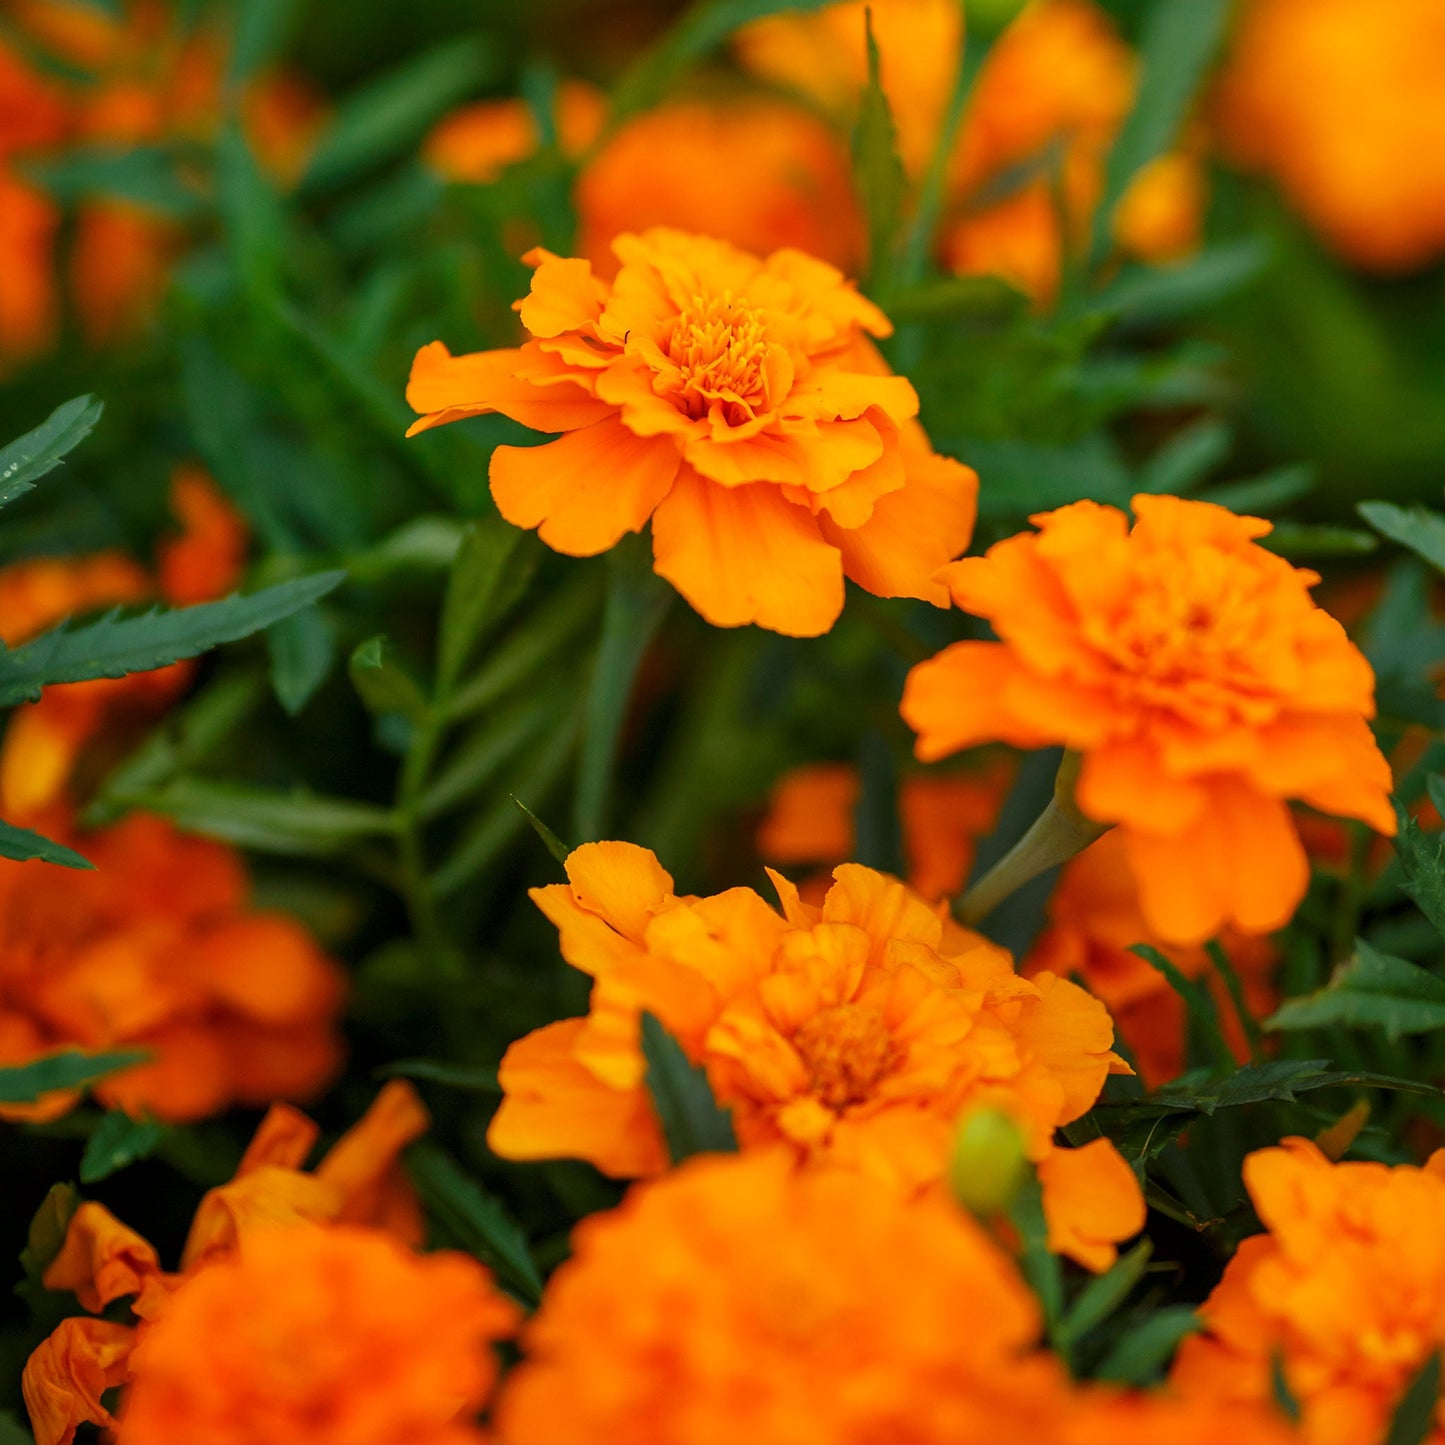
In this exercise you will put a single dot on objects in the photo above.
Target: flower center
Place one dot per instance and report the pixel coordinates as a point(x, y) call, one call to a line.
point(846, 1050)
point(721, 349)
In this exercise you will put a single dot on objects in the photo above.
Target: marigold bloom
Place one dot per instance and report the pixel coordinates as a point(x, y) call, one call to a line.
point(739, 1299)
point(1340, 104)
point(1202, 685)
point(1094, 923)
point(1345, 1293)
point(1100, 1416)
point(855, 1034)
point(102, 1261)
point(794, 190)
point(739, 404)
point(476, 143)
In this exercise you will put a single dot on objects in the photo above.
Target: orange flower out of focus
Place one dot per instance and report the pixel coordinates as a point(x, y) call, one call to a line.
point(298, 1313)
point(1198, 679)
point(854, 1033)
point(475, 144)
point(1340, 103)
point(1345, 1294)
point(810, 820)
point(1094, 922)
point(740, 405)
point(739, 1299)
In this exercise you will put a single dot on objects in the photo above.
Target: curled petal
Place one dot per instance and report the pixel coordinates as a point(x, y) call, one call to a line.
point(68, 1373)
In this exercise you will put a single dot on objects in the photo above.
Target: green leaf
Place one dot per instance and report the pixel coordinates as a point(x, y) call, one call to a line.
point(636, 601)
point(12, 1432)
point(72, 1069)
point(424, 544)
point(1177, 46)
point(1187, 457)
point(1262, 494)
point(1140, 1356)
point(22, 845)
point(1292, 540)
point(1040, 1265)
point(1372, 990)
point(146, 176)
point(383, 684)
point(952, 297)
point(386, 117)
point(1147, 295)
point(553, 844)
point(118, 1141)
point(878, 174)
point(453, 1076)
point(503, 737)
point(115, 646)
point(479, 1223)
point(1104, 1294)
point(260, 33)
point(692, 1123)
point(1417, 528)
point(39, 452)
point(1206, 1034)
point(303, 652)
point(254, 222)
point(295, 824)
point(1414, 1418)
point(46, 1235)
point(488, 577)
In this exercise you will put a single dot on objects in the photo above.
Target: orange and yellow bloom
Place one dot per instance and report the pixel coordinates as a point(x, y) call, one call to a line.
point(854, 1034)
point(737, 403)
point(1198, 680)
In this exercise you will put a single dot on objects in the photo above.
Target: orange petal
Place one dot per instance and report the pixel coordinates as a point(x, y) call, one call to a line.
point(744, 554)
point(565, 295)
point(359, 1165)
point(1092, 1201)
point(101, 1260)
point(621, 883)
point(266, 967)
point(262, 1199)
point(68, 1373)
point(283, 1140)
point(584, 490)
point(958, 699)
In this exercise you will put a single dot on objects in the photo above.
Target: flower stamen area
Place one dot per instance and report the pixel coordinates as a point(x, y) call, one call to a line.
point(847, 1051)
point(720, 346)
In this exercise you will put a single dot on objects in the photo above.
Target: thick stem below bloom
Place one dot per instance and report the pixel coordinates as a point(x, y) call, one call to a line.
point(1059, 833)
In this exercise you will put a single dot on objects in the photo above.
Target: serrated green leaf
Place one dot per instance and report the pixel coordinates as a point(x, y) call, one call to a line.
point(478, 1223)
point(72, 1069)
point(878, 174)
point(117, 645)
point(39, 452)
point(492, 569)
point(1414, 1418)
point(1418, 528)
point(386, 117)
point(22, 845)
point(118, 1141)
point(692, 1122)
point(1372, 990)
point(1140, 1356)
point(293, 824)
point(1104, 1294)
point(381, 681)
point(145, 176)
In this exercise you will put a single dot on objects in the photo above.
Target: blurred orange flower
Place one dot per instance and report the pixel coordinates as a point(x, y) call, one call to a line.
point(1094, 922)
point(739, 1299)
point(739, 404)
point(1340, 103)
point(476, 143)
point(1345, 1294)
point(260, 1235)
point(1100, 1416)
point(855, 1034)
point(1200, 682)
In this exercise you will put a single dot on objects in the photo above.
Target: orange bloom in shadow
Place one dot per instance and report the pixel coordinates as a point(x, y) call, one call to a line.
point(1100, 1416)
point(476, 143)
point(738, 1298)
point(738, 404)
point(1202, 685)
point(1094, 922)
point(855, 1034)
point(810, 820)
point(289, 1281)
point(1340, 104)
point(1345, 1294)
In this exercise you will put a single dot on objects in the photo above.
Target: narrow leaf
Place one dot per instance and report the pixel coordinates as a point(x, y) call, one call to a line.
point(39, 452)
point(381, 681)
point(1417, 528)
point(878, 174)
point(303, 652)
point(692, 1123)
point(117, 1141)
point(1103, 1295)
point(553, 844)
point(492, 568)
point(25, 1083)
point(145, 176)
point(46, 1235)
point(1203, 1013)
point(22, 845)
point(453, 1076)
point(1140, 1356)
point(1414, 1418)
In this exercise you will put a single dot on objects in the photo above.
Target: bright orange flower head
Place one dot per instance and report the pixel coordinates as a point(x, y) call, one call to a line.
point(736, 402)
point(359, 1183)
point(795, 188)
point(320, 1337)
point(1200, 682)
point(1095, 921)
point(855, 1034)
point(1100, 1416)
point(478, 142)
point(1340, 103)
point(739, 1299)
point(1345, 1294)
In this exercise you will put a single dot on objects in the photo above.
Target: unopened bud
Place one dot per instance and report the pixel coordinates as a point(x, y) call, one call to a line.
point(987, 1165)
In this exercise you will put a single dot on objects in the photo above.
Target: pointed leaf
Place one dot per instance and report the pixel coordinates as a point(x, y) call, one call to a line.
point(1417, 528)
point(550, 841)
point(1422, 855)
point(1140, 1356)
point(117, 1141)
point(39, 452)
point(22, 845)
point(1372, 990)
point(692, 1122)
point(1104, 1294)
point(878, 172)
point(383, 684)
point(1414, 1419)
point(72, 1069)
point(490, 573)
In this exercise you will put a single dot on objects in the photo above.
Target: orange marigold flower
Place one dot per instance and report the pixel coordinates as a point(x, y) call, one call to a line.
point(810, 820)
point(1095, 921)
point(102, 1261)
point(320, 1337)
point(736, 402)
point(855, 1034)
point(207, 558)
point(1198, 679)
point(477, 143)
point(1099, 1416)
point(737, 1298)
point(795, 190)
point(1340, 103)
point(1345, 1294)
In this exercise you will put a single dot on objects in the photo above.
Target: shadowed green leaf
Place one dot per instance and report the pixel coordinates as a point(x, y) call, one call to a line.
point(1140, 1356)
point(1414, 1418)
point(146, 176)
point(118, 1141)
point(1104, 1294)
point(381, 681)
point(878, 174)
point(553, 844)
point(452, 1076)
point(1372, 990)
point(22, 845)
point(692, 1123)
point(72, 1069)
point(1417, 528)
point(39, 452)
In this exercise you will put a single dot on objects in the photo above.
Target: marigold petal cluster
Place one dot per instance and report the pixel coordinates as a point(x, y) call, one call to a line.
point(1197, 678)
point(737, 403)
point(854, 1033)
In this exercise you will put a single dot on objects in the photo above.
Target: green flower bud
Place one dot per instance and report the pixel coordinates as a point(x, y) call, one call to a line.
point(987, 1165)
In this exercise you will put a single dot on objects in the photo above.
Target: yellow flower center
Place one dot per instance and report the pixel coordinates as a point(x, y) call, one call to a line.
point(721, 349)
point(847, 1050)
